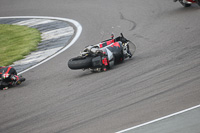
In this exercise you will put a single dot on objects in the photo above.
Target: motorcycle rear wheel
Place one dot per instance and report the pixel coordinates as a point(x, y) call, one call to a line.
point(80, 63)
point(185, 4)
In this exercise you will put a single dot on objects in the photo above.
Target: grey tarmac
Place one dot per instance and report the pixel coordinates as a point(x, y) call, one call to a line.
point(162, 78)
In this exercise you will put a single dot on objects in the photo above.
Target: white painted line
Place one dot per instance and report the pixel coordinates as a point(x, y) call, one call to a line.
point(156, 120)
point(78, 33)
point(57, 33)
point(33, 22)
point(43, 22)
point(28, 22)
point(37, 56)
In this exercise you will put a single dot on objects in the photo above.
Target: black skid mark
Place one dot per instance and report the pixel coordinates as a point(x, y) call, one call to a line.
point(123, 18)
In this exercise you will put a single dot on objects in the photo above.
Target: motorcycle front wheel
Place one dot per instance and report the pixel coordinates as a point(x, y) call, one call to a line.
point(80, 63)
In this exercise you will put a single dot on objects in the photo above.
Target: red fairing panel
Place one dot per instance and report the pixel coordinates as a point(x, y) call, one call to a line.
point(193, 1)
point(105, 61)
point(101, 45)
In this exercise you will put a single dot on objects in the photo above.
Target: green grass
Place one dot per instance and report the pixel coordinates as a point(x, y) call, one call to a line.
point(16, 42)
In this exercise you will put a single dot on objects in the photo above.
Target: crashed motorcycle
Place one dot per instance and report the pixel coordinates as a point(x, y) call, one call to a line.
point(188, 3)
point(6, 83)
point(104, 55)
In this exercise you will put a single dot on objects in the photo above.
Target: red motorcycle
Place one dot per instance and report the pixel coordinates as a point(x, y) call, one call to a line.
point(188, 3)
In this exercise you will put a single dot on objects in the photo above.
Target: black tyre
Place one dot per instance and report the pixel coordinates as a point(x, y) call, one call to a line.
point(185, 5)
point(1, 87)
point(118, 56)
point(80, 62)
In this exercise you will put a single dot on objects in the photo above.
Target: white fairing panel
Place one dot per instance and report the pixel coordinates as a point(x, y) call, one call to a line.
point(110, 56)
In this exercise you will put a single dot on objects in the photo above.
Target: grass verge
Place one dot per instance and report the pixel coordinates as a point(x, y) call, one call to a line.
point(16, 42)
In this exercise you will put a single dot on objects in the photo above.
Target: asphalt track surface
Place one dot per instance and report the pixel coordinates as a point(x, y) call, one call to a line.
point(162, 78)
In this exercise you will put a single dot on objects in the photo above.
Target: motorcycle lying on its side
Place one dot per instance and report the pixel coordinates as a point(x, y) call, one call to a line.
point(5, 85)
point(104, 55)
point(188, 3)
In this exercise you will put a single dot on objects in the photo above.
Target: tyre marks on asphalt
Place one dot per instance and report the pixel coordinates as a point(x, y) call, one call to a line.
point(131, 21)
point(55, 35)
